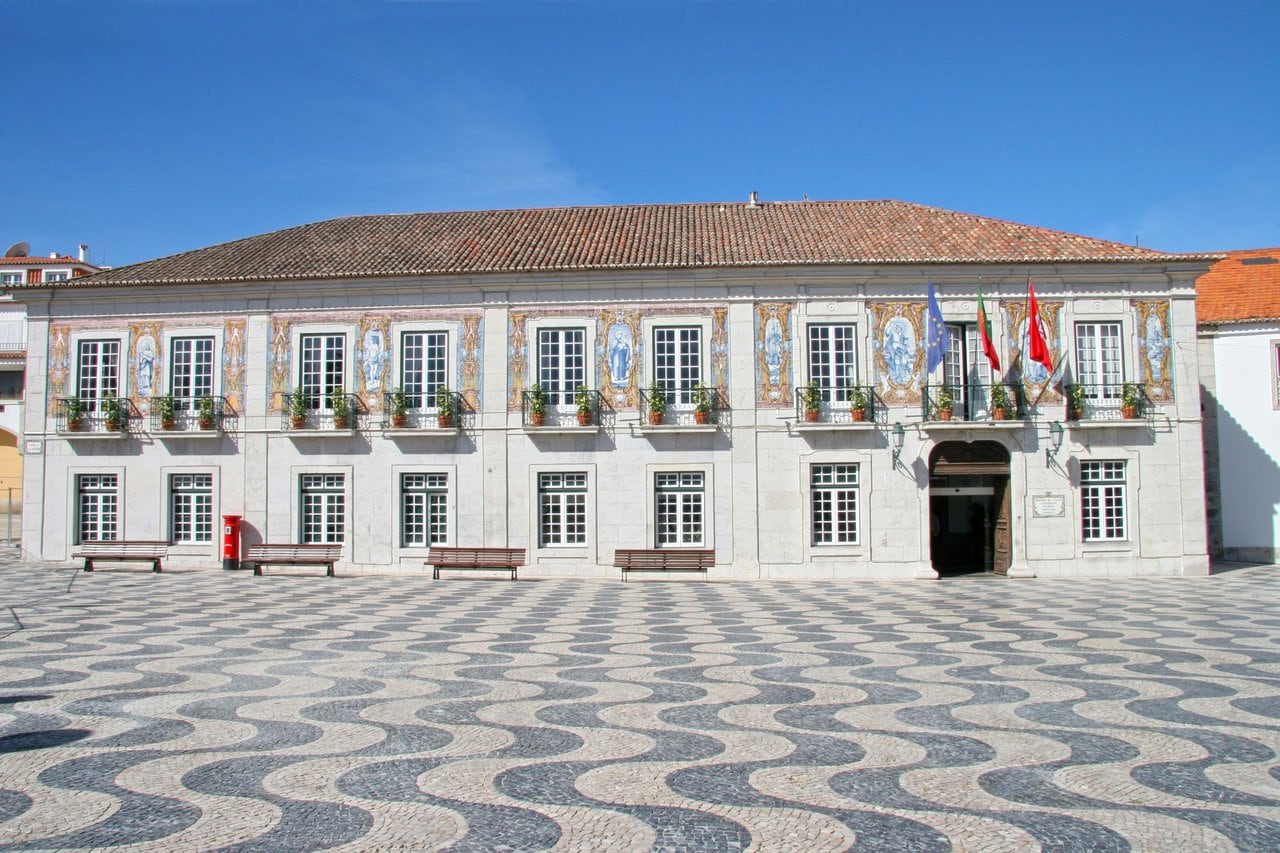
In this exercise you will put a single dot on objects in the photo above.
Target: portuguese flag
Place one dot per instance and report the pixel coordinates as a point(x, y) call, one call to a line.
point(984, 329)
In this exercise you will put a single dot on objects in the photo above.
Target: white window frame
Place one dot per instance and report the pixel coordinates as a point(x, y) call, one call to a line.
point(533, 359)
point(171, 338)
point(966, 371)
point(174, 490)
point(347, 380)
point(436, 492)
point(427, 403)
point(575, 554)
point(827, 496)
point(682, 398)
point(10, 278)
point(56, 275)
point(300, 484)
point(835, 387)
point(708, 504)
point(76, 518)
point(450, 473)
point(566, 494)
point(1108, 396)
point(122, 364)
point(1099, 486)
point(1274, 350)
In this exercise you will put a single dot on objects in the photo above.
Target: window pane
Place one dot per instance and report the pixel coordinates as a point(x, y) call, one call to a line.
point(323, 508)
point(678, 510)
point(98, 507)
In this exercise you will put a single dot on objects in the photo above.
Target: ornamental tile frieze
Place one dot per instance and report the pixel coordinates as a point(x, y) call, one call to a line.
point(773, 355)
point(1155, 349)
point(897, 351)
point(1039, 383)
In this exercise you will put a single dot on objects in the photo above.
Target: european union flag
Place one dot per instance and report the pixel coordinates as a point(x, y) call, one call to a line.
point(935, 333)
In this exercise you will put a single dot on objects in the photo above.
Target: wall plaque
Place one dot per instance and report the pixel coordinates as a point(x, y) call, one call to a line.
point(1048, 506)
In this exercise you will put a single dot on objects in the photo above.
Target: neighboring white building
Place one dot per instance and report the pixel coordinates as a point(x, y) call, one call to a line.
point(742, 304)
point(1239, 314)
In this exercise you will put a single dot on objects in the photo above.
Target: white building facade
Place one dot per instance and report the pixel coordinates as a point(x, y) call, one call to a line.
point(216, 383)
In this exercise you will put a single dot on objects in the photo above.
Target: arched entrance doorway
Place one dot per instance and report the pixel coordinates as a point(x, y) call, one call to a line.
point(969, 508)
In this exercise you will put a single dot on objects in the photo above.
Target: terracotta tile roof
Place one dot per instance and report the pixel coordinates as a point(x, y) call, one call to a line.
point(1242, 287)
point(616, 238)
point(37, 261)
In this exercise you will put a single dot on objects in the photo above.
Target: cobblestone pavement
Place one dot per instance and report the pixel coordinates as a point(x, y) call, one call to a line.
point(202, 710)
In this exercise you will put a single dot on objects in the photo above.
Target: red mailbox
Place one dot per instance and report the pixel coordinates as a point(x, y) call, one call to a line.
point(231, 541)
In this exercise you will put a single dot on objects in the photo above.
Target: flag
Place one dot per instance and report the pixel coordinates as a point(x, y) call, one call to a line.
point(984, 329)
point(1037, 348)
point(935, 333)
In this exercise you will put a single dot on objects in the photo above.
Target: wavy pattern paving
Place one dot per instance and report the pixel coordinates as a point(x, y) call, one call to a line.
point(211, 710)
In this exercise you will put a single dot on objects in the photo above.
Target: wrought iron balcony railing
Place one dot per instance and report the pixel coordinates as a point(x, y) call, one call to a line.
point(837, 404)
point(1107, 402)
point(311, 412)
point(693, 405)
point(93, 415)
point(179, 414)
point(542, 408)
point(439, 409)
point(973, 402)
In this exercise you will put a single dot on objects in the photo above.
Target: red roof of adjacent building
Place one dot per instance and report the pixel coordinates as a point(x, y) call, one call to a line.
point(675, 236)
point(1242, 287)
point(37, 260)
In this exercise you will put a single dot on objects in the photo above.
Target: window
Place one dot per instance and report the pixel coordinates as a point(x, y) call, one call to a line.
point(834, 500)
point(191, 369)
point(97, 370)
point(966, 371)
point(677, 362)
point(562, 363)
point(324, 508)
point(1098, 362)
point(98, 507)
point(7, 278)
point(1102, 501)
point(191, 508)
point(424, 510)
point(323, 368)
point(679, 508)
point(1275, 374)
point(833, 360)
point(422, 366)
point(562, 509)
point(56, 275)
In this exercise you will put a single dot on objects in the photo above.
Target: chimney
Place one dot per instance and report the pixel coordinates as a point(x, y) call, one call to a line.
point(84, 253)
point(53, 256)
point(753, 200)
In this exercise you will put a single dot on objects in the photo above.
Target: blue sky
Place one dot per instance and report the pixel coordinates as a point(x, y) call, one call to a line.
point(149, 127)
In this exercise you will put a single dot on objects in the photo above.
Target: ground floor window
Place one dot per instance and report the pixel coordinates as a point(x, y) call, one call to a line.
point(679, 511)
point(1102, 501)
point(324, 508)
point(562, 509)
point(424, 509)
point(834, 501)
point(98, 507)
point(191, 508)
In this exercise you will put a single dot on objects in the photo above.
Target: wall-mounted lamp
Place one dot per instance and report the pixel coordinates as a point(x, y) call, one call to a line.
point(1055, 442)
point(899, 435)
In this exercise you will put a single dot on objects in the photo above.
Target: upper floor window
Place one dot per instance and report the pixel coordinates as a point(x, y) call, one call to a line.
point(1099, 364)
point(97, 369)
point(562, 363)
point(677, 361)
point(423, 365)
point(966, 371)
point(56, 275)
point(191, 368)
point(323, 367)
point(833, 359)
point(7, 278)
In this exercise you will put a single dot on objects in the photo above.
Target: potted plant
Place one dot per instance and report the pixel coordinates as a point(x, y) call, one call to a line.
point(811, 399)
point(299, 409)
point(944, 405)
point(1130, 400)
point(75, 413)
point(206, 412)
point(446, 408)
point(537, 404)
point(657, 404)
point(1000, 405)
point(582, 399)
point(167, 411)
point(1075, 402)
point(112, 412)
point(857, 403)
point(702, 405)
point(341, 408)
point(398, 404)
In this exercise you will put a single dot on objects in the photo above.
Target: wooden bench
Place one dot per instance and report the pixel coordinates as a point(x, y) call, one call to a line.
point(441, 557)
point(141, 551)
point(663, 560)
point(293, 555)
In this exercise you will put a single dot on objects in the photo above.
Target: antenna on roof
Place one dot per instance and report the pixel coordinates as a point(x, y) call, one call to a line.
point(18, 250)
point(753, 200)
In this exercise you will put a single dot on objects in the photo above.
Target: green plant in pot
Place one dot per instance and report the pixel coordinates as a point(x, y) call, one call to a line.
point(207, 412)
point(702, 405)
point(811, 399)
point(1075, 402)
point(341, 408)
point(74, 409)
point(582, 398)
point(398, 406)
point(112, 411)
point(1001, 408)
point(657, 403)
point(1130, 400)
point(446, 407)
point(299, 409)
point(858, 403)
point(166, 409)
point(537, 401)
point(944, 405)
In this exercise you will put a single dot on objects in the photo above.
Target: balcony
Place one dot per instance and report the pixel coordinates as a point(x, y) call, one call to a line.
point(549, 412)
point(309, 415)
point(189, 417)
point(422, 414)
point(1112, 404)
point(93, 417)
point(696, 408)
point(972, 404)
point(834, 407)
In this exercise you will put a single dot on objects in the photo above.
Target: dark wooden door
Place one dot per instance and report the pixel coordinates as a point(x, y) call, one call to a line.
point(1003, 545)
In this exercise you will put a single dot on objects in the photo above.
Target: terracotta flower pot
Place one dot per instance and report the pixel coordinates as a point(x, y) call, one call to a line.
point(298, 422)
point(444, 421)
point(701, 417)
point(944, 414)
point(341, 422)
point(811, 415)
point(168, 424)
point(537, 418)
point(206, 423)
point(1129, 412)
point(858, 415)
point(999, 415)
point(655, 418)
point(399, 421)
point(584, 419)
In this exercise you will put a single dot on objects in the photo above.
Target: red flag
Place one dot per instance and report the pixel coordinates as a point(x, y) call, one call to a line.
point(1038, 349)
point(984, 329)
